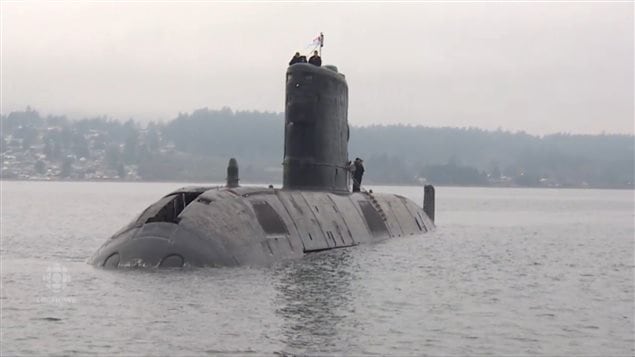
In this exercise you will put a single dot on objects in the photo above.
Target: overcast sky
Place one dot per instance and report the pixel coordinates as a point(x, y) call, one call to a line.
point(539, 67)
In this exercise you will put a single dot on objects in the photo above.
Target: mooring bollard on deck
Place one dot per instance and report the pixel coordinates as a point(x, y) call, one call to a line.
point(428, 201)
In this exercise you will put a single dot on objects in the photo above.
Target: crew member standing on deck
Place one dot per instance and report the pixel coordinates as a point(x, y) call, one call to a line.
point(358, 174)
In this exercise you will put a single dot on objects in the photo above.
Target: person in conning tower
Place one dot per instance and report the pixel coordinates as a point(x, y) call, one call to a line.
point(297, 59)
point(315, 59)
point(358, 173)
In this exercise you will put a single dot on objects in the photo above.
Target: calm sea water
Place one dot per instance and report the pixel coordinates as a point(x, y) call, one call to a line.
point(508, 272)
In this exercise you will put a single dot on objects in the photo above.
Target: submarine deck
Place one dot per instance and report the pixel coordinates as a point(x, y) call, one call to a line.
point(212, 226)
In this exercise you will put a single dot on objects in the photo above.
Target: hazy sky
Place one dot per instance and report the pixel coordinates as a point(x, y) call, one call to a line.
point(539, 67)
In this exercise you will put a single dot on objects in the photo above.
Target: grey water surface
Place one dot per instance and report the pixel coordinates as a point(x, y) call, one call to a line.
point(508, 272)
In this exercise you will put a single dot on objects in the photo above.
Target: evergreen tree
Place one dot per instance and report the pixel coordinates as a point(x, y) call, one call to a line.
point(67, 167)
point(40, 167)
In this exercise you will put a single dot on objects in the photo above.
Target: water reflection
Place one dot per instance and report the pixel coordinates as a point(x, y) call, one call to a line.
point(316, 303)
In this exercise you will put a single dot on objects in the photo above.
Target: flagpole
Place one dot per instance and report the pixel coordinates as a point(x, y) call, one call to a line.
point(321, 43)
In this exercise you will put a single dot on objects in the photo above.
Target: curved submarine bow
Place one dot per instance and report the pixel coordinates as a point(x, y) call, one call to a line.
point(314, 210)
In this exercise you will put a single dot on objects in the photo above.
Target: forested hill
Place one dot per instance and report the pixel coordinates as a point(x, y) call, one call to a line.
point(197, 145)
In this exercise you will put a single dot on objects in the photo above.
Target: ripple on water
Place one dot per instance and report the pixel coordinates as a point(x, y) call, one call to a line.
point(545, 272)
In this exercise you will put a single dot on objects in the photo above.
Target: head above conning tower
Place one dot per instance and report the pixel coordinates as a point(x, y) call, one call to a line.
point(316, 129)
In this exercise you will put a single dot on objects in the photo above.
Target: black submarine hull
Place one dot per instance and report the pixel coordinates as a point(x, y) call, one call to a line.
point(211, 227)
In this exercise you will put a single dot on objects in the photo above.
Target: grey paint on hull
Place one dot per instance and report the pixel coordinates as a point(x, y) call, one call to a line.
point(202, 226)
point(227, 226)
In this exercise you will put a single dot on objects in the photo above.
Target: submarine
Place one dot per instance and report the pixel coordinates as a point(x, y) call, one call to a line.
point(233, 225)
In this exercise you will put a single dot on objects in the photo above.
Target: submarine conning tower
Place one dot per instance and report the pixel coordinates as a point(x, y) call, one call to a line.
point(237, 225)
point(316, 129)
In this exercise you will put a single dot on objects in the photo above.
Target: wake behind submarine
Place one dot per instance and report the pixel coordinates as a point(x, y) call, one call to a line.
point(314, 210)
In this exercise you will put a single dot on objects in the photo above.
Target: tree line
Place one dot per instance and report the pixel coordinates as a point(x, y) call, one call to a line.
point(196, 146)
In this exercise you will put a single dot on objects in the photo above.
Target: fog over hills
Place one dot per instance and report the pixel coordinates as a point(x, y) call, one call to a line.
point(541, 66)
point(196, 146)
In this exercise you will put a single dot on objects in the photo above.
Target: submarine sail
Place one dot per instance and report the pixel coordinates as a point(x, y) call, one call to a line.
point(238, 225)
point(316, 129)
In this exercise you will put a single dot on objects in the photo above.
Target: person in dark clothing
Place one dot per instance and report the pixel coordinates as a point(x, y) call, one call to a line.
point(296, 58)
point(315, 59)
point(358, 173)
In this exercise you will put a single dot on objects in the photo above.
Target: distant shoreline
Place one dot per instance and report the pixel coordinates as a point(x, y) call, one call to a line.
point(279, 184)
point(196, 147)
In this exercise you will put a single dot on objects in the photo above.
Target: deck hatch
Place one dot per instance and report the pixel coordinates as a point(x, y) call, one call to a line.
point(168, 208)
point(269, 219)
